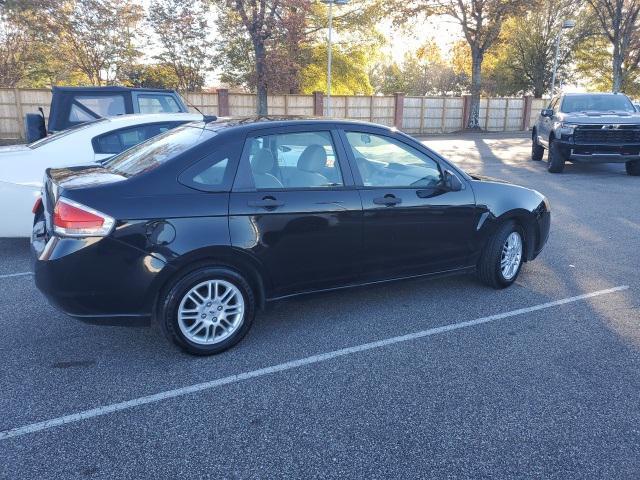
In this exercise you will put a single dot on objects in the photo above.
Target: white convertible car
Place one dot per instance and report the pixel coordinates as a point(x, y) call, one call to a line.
point(22, 167)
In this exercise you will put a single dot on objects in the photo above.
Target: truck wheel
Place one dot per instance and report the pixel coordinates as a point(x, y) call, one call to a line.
point(633, 168)
point(537, 150)
point(556, 159)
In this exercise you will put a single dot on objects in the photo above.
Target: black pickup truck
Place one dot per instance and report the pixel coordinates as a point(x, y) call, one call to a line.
point(72, 106)
point(588, 127)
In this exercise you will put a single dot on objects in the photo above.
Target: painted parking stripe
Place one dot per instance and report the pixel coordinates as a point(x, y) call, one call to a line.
point(199, 387)
point(21, 274)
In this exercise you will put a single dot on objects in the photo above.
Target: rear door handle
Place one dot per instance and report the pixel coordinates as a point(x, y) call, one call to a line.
point(387, 200)
point(267, 202)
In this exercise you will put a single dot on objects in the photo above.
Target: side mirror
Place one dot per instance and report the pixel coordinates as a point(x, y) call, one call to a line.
point(452, 182)
point(547, 112)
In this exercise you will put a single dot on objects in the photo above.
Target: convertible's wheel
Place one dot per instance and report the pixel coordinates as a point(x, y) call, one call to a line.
point(208, 311)
point(537, 150)
point(556, 159)
point(633, 168)
point(502, 257)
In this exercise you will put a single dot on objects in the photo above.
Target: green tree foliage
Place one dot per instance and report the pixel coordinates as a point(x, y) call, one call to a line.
point(425, 72)
point(151, 76)
point(183, 32)
point(295, 52)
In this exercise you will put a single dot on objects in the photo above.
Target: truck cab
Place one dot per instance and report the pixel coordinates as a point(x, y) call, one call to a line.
point(71, 106)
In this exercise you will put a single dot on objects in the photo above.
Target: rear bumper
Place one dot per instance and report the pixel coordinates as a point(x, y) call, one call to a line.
point(98, 280)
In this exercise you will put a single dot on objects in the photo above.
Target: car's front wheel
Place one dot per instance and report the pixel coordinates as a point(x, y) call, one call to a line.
point(208, 310)
point(633, 168)
point(537, 150)
point(502, 257)
point(556, 158)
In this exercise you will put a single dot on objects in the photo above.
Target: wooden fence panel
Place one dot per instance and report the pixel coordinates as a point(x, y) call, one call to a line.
point(421, 115)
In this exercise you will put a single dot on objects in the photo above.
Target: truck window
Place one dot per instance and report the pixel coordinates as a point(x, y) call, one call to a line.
point(102, 105)
point(157, 103)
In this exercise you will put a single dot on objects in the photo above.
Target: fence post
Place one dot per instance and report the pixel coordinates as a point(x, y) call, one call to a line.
point(506, 116)
point(526, 111)
point(466, 110)
point(223, 102)
point(371, 108)
point(398, 109)
point(19, 113)
point(421, 127)
point(318, 104)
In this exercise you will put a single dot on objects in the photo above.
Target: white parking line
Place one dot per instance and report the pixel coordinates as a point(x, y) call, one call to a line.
point(21, 274)
point(199, 387)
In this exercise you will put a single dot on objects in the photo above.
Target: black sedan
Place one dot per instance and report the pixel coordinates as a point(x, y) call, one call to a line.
point(203, 225)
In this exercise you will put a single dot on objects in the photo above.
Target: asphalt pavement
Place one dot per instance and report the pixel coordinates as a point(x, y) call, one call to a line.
point(417, 379)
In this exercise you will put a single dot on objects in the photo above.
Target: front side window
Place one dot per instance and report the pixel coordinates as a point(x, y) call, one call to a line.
point(157, 103)
point(116, 142)
point(101, 105)
point(158, 150)
point(294, 160)
point(386, 162)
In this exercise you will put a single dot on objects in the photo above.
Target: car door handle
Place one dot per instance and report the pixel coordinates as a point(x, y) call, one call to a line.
point(387, 200)
point(266, 202)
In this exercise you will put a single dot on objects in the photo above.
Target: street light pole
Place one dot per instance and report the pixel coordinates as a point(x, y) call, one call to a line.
point(329, 48)
point(565, 25)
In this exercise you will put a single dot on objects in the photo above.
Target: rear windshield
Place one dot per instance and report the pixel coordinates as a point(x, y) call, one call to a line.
point(596, 103)
point(158, 150)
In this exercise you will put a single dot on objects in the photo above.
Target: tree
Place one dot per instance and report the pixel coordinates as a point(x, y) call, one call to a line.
point(16, 52)
point(619, 21)
point(480, 20)
point(258, 20)
point(183, 32)
point(158, 75)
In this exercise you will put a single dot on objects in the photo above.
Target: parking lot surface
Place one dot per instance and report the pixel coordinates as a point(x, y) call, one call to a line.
point(418, 379)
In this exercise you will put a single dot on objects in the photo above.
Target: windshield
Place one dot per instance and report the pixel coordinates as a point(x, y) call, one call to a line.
point(597, 103)
point(64, 133)
point(158, 150)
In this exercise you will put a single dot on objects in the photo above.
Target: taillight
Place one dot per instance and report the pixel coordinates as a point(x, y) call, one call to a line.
point(37, 205)
point(72, 219)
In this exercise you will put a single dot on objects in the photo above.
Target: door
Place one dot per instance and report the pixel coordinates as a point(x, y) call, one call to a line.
point(295, 209)
point(546, 124)
point(413, 223)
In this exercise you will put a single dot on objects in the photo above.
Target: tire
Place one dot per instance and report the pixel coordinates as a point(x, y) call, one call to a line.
point(489, 268)
point(633, 168)
point(537, 150)
point(556, 159)
point(217, 317)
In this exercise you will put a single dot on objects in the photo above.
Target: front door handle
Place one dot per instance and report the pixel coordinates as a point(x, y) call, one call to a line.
point(266, 202)
point(387, 200)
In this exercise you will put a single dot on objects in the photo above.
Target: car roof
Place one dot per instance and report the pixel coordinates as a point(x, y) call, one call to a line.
point(268, 121)
point(600, 94)
point(133, 118)
point(111, 88)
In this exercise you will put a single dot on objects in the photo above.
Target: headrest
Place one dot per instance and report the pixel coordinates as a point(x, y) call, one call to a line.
point(313, 159)
point(262, 161)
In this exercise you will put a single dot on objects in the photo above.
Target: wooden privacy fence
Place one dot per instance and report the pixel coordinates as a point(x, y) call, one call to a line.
point(415, 115)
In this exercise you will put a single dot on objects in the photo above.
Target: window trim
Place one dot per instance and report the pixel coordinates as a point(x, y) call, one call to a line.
point(442, 166)
point(95, 140)
point(244, 178)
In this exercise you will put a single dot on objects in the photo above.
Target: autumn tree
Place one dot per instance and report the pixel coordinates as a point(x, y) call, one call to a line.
point(182, 29)
point(619, 21)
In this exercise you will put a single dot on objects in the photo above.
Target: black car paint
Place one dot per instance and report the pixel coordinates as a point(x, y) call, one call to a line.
point(318, 239)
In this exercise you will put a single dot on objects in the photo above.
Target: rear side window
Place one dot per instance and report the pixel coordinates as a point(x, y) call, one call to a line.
point(118, 141)
point(154, 152)
point(150, 103)
point(294, 160)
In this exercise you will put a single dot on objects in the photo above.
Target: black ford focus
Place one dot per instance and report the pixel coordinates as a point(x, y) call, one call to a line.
point(203, 225)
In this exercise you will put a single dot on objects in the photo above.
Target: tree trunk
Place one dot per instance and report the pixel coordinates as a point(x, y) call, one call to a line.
point(261, 77)
point(617, 69)
point(476, 83)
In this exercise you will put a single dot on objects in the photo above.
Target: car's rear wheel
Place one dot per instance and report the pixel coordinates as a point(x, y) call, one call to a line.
point(537, 150)
point(556, 158)
point(502, 257)
point(633, 168)
point(208, 310)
